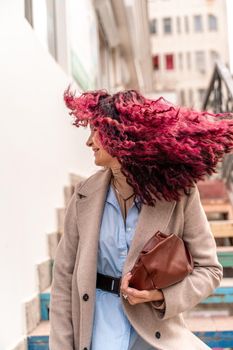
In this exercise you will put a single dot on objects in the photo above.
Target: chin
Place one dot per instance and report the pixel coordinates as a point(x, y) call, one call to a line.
point(99, 163)
point(103, 164)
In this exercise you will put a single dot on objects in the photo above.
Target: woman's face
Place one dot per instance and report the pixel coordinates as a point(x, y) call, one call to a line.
point(102, 157)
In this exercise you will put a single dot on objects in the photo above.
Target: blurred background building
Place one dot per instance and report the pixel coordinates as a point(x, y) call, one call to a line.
point(186, 39)
point(97, 42)
point(161, 47)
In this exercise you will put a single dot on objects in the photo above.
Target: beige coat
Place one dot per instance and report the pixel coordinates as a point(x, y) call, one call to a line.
point(74, 280)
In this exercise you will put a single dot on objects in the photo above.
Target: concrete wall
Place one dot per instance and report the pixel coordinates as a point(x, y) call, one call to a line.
point(39, 147)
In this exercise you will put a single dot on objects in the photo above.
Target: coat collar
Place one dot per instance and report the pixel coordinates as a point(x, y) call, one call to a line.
point(95, 183)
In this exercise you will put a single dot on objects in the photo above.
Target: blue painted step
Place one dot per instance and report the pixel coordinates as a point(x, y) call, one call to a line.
point(223, 294)
point(217, 339)
point(38, 343)
point(215, 331)
point(39, 338)
point(44, 304)
point(218, 335)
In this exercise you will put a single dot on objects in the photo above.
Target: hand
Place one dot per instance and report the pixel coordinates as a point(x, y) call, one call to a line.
point(135, 296)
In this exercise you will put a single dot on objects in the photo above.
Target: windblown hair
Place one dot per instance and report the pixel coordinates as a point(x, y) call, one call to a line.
point(163, 149)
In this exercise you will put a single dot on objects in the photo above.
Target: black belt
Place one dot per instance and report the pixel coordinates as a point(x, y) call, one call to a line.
point(108, 283)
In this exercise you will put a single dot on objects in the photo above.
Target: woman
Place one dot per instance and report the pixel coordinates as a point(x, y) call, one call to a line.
point(152, 153)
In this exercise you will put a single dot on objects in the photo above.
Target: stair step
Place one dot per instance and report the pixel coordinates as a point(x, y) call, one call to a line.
point(226, 282)
point(225, 256)
point(227, 249)
point(44, 304)
point(215, 331)
point(222, 228)
point(223, 208)
point(38, 339)
point(222, 294)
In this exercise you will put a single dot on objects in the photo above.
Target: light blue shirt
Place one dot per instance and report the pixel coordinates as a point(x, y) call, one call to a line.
point(111, 328)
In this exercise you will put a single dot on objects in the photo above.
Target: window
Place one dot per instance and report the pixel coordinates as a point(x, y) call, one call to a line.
point(201, 95)
point(167, 25)
point(200, 61)
point(178, 25)
point(182, 97)
point(212, 23)
point(41, 16)
point(190, 92)
point(188, 58)
point(213, 56)
point(169, 61)
point(155, 60)
point(198, 25)
point(186, 24)
point(28, 11)
point(153, 26)
point(180, 61)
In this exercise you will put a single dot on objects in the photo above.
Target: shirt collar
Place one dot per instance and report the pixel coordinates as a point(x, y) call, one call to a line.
point(111, 198)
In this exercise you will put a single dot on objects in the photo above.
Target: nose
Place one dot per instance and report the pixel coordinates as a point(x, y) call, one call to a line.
point(89, 142)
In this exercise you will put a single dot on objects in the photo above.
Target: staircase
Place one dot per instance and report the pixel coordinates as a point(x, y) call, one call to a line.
point(37, 309)
point(212, 320)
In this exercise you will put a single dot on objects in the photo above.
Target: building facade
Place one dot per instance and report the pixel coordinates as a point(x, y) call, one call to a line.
point(186, 39)
point(94, 41)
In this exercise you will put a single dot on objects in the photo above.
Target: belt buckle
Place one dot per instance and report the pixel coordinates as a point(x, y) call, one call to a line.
point(112, 285)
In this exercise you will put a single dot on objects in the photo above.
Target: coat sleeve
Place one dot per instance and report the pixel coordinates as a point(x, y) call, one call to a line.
point(207, 272)
point(61, 329)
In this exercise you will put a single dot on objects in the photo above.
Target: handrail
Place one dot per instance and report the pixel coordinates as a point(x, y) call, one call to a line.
point(219, 98)
point(219, 95)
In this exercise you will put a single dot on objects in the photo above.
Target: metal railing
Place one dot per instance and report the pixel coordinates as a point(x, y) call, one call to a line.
point(219, 95)
point(218, 99)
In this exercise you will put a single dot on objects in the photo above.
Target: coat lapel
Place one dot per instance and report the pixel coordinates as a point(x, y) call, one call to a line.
point(150, 220)
point(90, 205)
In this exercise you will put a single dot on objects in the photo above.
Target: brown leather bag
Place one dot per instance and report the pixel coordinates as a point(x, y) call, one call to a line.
point(163, 261)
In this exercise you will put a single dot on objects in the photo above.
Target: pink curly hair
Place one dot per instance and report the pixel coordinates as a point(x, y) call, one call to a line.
point(163, 149)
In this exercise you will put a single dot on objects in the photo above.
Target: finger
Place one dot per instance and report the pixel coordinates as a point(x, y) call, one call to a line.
point(141, 294)
point(125, 282)
point(134, 301)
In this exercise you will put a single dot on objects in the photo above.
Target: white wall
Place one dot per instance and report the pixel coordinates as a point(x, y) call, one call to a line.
point(38, 148)
point(230, 30)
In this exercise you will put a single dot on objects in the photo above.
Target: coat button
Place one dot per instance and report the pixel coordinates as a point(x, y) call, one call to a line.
point(85, 298)
point(158, 335)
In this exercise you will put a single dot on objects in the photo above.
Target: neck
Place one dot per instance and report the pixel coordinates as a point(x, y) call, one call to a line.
point(120, 183)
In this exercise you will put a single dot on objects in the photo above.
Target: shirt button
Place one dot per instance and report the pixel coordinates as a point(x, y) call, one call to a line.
point(123, 254)
point(157, 335)
point(85, 297)
point(128, 229)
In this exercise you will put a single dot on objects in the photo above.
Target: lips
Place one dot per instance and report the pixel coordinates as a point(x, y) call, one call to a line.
point(95, 150)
